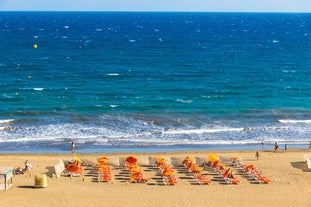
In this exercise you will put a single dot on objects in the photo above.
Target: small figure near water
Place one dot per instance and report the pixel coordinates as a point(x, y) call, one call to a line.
point(310, 145)
point(257, 155)
point(285, 147)
point(73, 148)
point(263, 144)
point(276, 147)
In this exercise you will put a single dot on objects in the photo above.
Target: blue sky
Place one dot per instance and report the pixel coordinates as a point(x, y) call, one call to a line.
point(158, 5)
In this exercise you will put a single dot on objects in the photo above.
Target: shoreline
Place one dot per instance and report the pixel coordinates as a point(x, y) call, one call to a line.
point(83, 149)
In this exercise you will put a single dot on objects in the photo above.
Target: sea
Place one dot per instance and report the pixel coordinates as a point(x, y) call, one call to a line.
point(153, 81)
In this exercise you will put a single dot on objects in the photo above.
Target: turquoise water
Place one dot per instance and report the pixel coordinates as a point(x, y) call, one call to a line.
point(116, 81)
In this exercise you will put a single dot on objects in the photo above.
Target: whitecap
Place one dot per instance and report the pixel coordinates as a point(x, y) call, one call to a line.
point(66, 27)
point(4, 121)
point(202, 131)
point(275, 41)
point(113, 106)
point(184, 101)
point(38, 89)
point(98, 30)
point(292, 121)
point(132, 40)
point(112, 74)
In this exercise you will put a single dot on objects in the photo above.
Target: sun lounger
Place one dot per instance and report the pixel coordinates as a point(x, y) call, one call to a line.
point(229, 178)
point(73, 169)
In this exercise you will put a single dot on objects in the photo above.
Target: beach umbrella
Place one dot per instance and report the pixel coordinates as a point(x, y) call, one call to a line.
point(212, 157)
point(131, 159)
point(226, 173)
point(102, 160)
point(77, 158)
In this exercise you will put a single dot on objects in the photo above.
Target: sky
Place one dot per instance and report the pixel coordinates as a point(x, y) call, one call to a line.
point(158, 5)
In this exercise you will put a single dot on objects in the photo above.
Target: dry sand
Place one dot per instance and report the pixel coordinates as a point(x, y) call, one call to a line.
point(291, 185)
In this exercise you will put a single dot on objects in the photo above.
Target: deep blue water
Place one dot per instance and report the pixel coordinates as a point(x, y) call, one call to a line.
point(145, 80)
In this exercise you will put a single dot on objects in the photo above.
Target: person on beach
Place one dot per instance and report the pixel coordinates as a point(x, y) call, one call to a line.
point(257, 155)
point(73, 148)
point(276, 147)
point(285, 147)
point(310, 146)
point(262, 144)
point(28, 166)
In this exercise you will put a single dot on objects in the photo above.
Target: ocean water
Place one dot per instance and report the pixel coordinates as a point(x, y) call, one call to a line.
point(153, 81)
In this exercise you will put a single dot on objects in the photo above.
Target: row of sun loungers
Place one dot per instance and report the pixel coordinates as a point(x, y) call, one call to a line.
point(167, 172)
point(195, 171)
point(104, 170)
point(135, 170)
point(252, 172)
point(220, 168)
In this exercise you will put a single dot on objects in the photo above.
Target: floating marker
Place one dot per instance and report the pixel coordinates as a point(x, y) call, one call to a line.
point(29, 77)
point(35, 46)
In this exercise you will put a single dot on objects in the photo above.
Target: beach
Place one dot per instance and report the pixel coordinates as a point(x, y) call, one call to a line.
point(290, 184)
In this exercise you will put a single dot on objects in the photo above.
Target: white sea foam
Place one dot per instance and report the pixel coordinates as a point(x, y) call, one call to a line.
point(4, 121)
point(184, 101)
point(295, 121)
point(113, 106)
point(38, 89)
point(201, 131)
point(132, 40)
point(112, 74)
point(66, 27)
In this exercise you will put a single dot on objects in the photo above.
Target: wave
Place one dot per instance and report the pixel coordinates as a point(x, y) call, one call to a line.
point(202, 131)
point(184, 101)
point(5, 121)
point(289, 121)
point(112, 74)
point(38, 89)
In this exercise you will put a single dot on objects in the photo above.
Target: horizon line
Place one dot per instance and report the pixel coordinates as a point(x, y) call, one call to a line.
point(141, 11)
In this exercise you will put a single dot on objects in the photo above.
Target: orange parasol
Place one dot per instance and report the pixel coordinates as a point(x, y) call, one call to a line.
point(102, 160)
point(226, 173)
point(131, 159)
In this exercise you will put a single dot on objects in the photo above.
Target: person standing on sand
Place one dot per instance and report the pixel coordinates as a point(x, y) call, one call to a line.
point(285, 147)
point(276, 147)
point(257, 155)
point(73, 148)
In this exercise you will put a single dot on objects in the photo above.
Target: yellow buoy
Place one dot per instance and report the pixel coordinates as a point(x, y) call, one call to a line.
point(35, 46)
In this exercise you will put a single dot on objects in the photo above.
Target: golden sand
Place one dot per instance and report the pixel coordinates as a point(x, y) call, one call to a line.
point(290, 186)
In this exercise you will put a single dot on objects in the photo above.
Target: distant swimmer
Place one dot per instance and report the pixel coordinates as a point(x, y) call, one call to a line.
point(262, 144)
point(35, 46)
point(73, 148)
